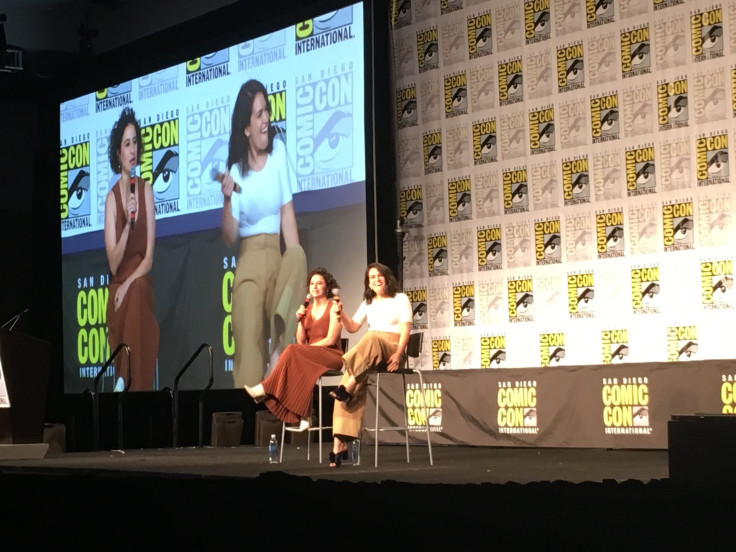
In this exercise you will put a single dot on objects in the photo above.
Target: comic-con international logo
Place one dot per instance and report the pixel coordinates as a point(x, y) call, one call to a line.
point(324, 129)
point(437, 257)
point(517, 407)
point(609, 231)
point(75, 204)
point(407, 114)
point(728, 393)
point(490, 248)
point(551, 348)
point(424, 406)
point(520, 299)
point(711, 160)
point(678, 226)
point(463, 304)
point(456, 94)
point(114, 97)
point(515, 191)
point(449, 6)
point(428, 57)
point(614, 346)
point(207, 68)
point(640, 171)
point(636, 56)
point(580, 295)
point(682, 343)
point(645, 287)
point(157, 83)
point(492, 351)
point(229, 265)
point(547, 241)
point(662, 4)
point(537, 24)
point(411, 206)
point(333, 28)
point(459, 199)
point(570, 67)
point(542, 130)
point(626, 405)
point(716, 284)
point(401, 13)
point(432, 151)
point(672, 104)
point(74, 109)
point(480, 35)
point(485, 148)
point(266, 49)
point(441, 354)
point(510, 82)
point(418, 298)
point(706, 34)
point(575, 181)
point(92, 347)
point(604, 118)
point(599, 12)
point(160, 164)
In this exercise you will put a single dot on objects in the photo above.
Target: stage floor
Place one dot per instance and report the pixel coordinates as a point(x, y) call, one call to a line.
point(452, 464)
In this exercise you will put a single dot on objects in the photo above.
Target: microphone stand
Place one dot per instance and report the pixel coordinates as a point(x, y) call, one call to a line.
point(400, 232)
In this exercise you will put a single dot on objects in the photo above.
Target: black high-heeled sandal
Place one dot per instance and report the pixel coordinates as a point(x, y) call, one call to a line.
point(341, 394)
point(338, 458)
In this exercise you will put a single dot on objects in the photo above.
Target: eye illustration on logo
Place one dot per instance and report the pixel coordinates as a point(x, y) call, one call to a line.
point(581, 240)
point(722, 289)
point(414, 211)
point(445, 361)
point(650, 293)
point(619, 353)
point(159, 77)
point(165, 174)
point(609, 122)
point(603, 8)
point(647, 231)
point(79, 202)
point(683, 229)
point(515, 85)
point(640, 56)
point(522, 247)
point(673, 46)
point(557, 355)
point(687, 350)
point(530, 417)
point(409, 109)
point(420, 313)
point(215, 58)
point(541, 23)
point(581, 185)
point(713, 38)
point(430, 53)
point(585, 299)
point(525, 303)
point(498, 357)
point(493, 251)
point(718, 164)
point(713, 102)
point(519, 195)
point(434, 157)
point(485, 94)
point(435, 417)
point(332, 145)
point(459, 98)
point(552, 247)
point(483, 38)
point(642, 114)
point(615, 238)
point(333, 20)
point(645, 176)
point(571, 12)
point(464, 205)
point(440, 258)
point(606, 64)
point(488, 145)
point(641, 416)
point(468, 309)
point(403, 13)
point(574, 71)
point(677, 107)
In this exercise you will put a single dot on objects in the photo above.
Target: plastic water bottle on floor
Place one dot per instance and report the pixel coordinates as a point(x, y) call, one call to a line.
point(273, 450)
point(355, 452)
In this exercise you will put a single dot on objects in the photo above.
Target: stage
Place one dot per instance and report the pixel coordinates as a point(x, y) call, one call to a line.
point(211, 497)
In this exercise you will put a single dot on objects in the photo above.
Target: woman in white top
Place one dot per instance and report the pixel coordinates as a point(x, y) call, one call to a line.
point(388, 313)
point(257, 211)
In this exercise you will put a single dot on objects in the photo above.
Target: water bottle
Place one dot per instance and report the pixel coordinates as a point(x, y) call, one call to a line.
point(355, 452)
point(273, 450)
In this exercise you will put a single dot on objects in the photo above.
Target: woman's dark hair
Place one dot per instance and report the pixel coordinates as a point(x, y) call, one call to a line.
point(238, 148)
point(328, 277)
point(392, 284)
point(127, 117)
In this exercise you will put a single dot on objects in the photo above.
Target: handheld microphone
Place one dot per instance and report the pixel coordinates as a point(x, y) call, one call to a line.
point(336, 296)
point(216, 170)
point(132, 191)
point(306, 303)
point(14, 320)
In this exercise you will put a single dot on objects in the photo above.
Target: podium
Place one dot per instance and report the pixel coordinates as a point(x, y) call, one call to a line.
point(25, 365)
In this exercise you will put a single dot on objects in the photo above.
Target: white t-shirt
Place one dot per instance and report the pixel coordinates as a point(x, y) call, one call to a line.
point(257, 208)
point(385, 315)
